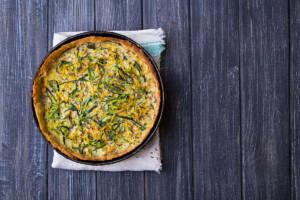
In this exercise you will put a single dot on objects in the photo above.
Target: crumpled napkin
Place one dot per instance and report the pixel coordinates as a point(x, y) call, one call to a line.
point(149, 158)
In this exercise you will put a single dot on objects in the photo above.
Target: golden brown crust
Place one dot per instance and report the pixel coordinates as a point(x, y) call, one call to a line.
point(37, 94)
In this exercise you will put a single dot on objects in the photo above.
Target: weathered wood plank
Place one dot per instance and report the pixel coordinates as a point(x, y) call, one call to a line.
point(120, 185)
point(175, 180)
point(23, 152)
point(295, 97)
point(119, 15)
point(215, 99)
point(264, 58)
point(70, 16)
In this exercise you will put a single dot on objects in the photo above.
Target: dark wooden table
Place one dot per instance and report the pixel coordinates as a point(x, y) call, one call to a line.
point(231, 125)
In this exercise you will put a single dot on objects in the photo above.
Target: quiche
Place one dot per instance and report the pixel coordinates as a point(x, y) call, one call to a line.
point(96, 98)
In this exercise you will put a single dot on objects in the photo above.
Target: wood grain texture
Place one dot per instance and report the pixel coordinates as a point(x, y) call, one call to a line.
point(119, 15)
point(23, 155)
point(295, 97)
point(175, 180)
point(264, 58)
point(71, 15)
point(215, 99)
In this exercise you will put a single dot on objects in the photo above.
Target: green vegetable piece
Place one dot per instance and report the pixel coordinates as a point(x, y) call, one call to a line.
point(142, 127)
point(75, 81)
point(64, 130)
point(54, 111)
point(102, 123)
point(78, 57)
point(129, 78)
point(75, 90)
point(75, 148)
point(102, 61)
point(51, 96)
point(137, 66)
point(98, 144)
point(61, 64)
point(90, 137)
point(64, 140)
point(82, 78)
point(91, 74)
point(91, 109)
point(144, 78)
point(116, 125)
point(91, 45)
point(54, 85)
point(81, 148)
point(73, 108)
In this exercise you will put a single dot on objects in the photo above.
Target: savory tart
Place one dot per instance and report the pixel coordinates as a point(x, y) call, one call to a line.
point(96, 98)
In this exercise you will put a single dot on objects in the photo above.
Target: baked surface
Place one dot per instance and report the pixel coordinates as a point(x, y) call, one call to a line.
point(96, 98)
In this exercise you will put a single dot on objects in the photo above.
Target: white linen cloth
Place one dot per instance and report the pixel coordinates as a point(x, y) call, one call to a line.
point(149, 158)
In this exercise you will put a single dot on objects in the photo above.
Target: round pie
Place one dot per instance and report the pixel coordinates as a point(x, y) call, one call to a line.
point(96, 98)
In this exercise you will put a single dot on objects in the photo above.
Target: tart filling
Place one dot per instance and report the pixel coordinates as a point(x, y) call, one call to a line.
point(96, 98)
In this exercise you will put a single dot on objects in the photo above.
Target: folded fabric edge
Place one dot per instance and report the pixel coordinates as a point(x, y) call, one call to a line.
point(103, 170)
point(82, 167)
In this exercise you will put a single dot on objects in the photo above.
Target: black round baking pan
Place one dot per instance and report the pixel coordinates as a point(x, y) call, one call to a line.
point(154, 128)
